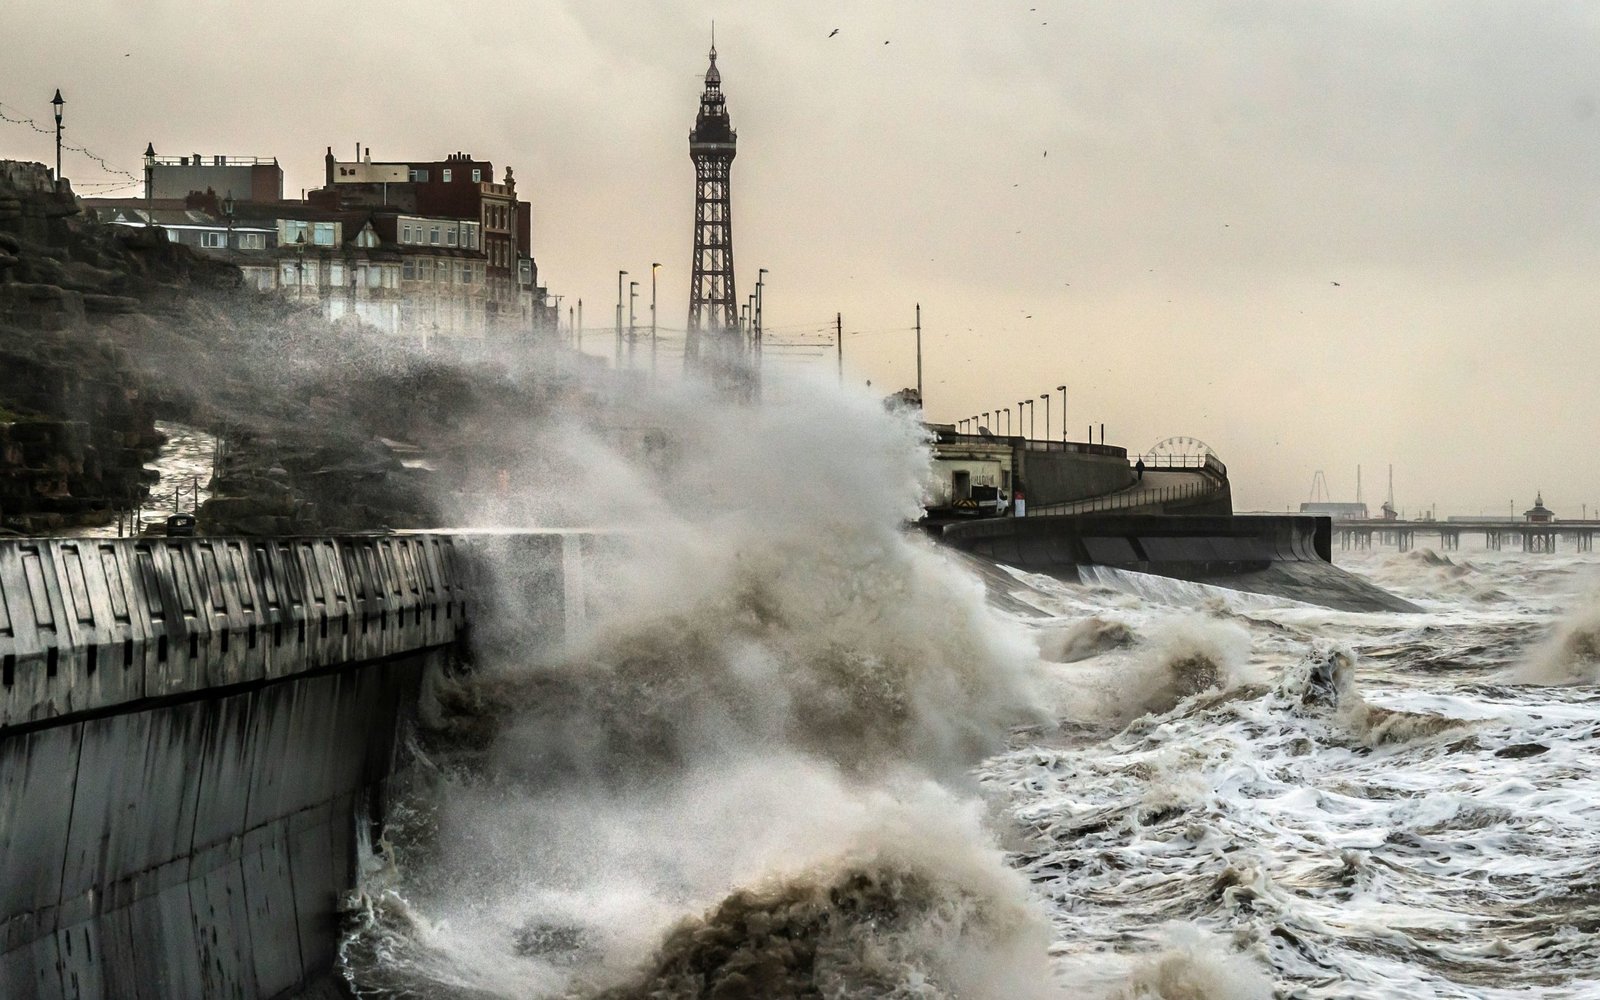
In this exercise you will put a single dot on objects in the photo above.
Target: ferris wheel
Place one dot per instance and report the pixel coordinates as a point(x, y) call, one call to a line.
point(1180, 447)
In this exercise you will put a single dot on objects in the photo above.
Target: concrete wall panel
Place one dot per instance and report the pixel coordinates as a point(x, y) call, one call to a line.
point(269, 896)
point(37, 771)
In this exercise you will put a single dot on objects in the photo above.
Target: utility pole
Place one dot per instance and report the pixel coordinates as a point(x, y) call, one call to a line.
point(620, 276)
point(919, 354)
point(838, 338)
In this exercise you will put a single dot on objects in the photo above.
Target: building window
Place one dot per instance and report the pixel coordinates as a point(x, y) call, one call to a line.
point(214, 241)
point(477, 176)
point(447, 175)
point(252, 241)
point(367, 238)
point(322, 234)
point(419, 176)
point(433, 236)
point(405, 234)
point(408, 268)
point(336, 273)
point(450, 237)
point(292, 231)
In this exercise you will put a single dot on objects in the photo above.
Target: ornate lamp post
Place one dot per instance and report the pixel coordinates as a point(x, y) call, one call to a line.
point(58, 103)
point(300, 267)
point(149, 183)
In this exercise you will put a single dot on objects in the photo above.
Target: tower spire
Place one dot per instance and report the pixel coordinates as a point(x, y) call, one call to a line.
point(714, 340)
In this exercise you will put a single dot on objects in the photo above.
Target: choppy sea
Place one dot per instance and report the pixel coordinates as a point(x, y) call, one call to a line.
point(1126, 788)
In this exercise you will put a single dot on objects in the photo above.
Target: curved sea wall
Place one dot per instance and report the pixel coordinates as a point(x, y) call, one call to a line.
point(1280, 555)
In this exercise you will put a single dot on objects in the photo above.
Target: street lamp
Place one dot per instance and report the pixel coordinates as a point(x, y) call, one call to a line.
point(1029, 404)
point(1063, 390)
point(1008, 421)
point(1046, 398)
point(985, 418)
point(620, 276)
point(654, 267)
point(149, 183)
point(633, 338)
point(300, 266)
point(58, 103)
point(227, 211)
point(760, 286)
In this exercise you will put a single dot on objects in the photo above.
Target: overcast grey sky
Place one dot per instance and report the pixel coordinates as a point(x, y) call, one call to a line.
point(1149, 202)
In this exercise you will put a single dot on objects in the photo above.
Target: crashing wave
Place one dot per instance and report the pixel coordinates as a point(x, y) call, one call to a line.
point(1571, 656)
point(1325, 681)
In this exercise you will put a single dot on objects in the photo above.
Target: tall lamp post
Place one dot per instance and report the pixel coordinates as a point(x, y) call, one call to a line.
point(1029, 403)
point(1046, 398)
point(300, 266)
point(620, 276)
point(761, 284)
point(227, 212)
point(1063, 390)
point(654, 267)
point(149, 183)
point(58, 103)
point(633, 336)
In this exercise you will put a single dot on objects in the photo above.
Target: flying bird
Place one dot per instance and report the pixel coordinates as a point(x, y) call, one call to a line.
point(835, 31)
point(1336, 284)
point(886, 41)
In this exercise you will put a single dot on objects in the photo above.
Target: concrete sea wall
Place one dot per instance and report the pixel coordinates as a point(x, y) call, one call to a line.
point(191, 731)
point(1279, 555)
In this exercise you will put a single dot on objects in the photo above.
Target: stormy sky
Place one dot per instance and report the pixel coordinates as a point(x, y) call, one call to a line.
point(1314, 235)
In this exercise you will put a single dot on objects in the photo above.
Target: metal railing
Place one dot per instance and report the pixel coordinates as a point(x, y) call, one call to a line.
point(1155, 460)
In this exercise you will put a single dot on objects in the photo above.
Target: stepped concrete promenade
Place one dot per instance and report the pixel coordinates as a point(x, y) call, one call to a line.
point(196, 735)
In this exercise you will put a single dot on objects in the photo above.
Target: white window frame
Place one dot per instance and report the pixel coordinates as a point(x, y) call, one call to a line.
point(446, 173)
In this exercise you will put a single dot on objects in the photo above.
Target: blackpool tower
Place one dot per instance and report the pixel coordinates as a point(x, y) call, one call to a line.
point(714, 340)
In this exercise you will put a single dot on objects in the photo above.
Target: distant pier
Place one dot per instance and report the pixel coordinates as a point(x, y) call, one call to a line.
point(1531, 536)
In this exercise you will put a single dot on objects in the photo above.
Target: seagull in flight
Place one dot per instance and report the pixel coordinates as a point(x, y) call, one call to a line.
point(1336, 284)
point(835, 31)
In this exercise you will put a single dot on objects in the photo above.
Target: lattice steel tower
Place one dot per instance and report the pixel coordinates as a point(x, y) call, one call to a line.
point(713, 302)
